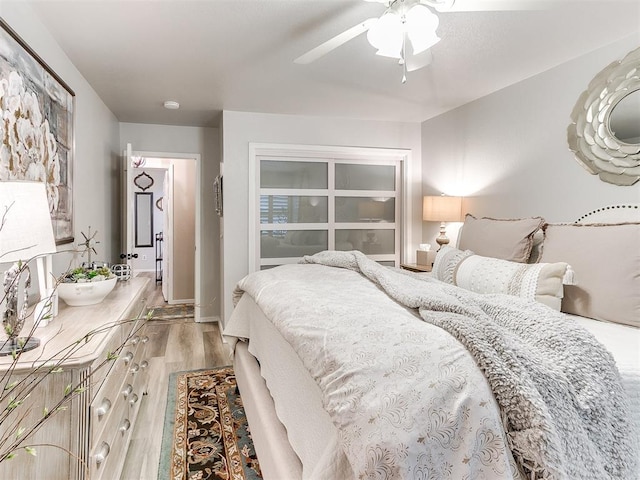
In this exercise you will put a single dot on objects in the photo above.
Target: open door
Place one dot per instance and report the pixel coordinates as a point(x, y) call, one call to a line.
point(126, 249)
point(167, 212)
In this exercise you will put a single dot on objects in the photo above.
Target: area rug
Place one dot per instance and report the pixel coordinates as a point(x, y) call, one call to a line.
point(206, 435)
point(171, 312)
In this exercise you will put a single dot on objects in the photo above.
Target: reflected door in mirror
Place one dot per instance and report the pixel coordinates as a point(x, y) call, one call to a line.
point(144, 219)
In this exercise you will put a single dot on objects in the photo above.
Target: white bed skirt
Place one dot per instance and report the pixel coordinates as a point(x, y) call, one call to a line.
point(277, 458)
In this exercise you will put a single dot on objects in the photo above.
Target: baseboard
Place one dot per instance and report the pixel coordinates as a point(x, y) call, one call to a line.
point(215, 318)
point(181, 300)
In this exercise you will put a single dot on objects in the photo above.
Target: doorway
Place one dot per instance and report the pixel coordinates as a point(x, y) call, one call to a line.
point(172, 181)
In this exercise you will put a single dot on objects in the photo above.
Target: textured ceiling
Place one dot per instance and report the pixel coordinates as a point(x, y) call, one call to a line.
point(211, 55)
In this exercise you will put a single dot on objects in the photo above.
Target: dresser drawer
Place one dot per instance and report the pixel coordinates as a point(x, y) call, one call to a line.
point(108, 456)
point(138, 373)
point(112, 391)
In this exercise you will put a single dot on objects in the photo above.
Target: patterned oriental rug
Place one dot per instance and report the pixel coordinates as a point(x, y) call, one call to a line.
point(206, 435)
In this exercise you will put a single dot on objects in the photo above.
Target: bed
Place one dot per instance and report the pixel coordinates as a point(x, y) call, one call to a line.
point(352, 370)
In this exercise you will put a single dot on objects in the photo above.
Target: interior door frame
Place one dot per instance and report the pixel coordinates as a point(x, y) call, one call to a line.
point(198, 201)
point(167, 213)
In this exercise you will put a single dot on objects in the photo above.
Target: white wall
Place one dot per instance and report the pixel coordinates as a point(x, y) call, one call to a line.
point(206, 142)
point(239, 129)
point(508, 151)
point(96, 167)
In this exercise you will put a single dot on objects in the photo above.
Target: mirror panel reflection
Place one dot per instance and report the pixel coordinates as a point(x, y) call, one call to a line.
point(280, 174)
point(144, 219)
point(365, 177)
point(292, 243)
point(624, 122)
point(369, 242)
point(293, 209)
point(365, 209)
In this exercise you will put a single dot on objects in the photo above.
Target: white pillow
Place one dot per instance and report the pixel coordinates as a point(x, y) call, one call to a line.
point(542, 282)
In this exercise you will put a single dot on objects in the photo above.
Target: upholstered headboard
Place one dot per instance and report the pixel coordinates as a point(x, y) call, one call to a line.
point(612, 214)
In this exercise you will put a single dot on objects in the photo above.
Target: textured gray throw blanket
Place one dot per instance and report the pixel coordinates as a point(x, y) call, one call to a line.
point(563, 406)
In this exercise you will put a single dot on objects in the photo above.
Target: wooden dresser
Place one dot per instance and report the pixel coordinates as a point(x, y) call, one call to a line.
point(92, 434)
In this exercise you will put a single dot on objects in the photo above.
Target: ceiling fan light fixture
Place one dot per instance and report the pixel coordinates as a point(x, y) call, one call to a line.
point(387, 34)
point(421, 25)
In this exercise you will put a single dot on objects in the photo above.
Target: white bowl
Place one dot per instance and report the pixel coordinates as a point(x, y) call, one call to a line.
point(88, 293)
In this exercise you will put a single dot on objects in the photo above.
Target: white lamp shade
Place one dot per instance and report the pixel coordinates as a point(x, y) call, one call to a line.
point(442, 209)
point(26, 230)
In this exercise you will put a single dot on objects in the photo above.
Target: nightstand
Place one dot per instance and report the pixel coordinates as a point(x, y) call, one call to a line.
point(414, 267)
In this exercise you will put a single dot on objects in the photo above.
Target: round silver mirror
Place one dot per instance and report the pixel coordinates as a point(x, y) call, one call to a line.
point(605, 129)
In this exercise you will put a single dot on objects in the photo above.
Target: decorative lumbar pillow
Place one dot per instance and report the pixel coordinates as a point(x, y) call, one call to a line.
point(500, 238)
point(542, 282)
point(606, 260)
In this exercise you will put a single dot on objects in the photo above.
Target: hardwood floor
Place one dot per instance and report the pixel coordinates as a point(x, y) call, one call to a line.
point(174, 345)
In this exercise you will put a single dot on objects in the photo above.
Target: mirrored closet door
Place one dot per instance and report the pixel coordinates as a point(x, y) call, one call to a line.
point(307, 204)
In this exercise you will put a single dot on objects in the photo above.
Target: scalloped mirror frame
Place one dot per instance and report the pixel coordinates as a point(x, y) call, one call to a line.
point(589, 135)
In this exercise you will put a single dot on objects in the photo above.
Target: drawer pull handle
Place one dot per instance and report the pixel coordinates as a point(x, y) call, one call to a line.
point(127, 358)
point(126, 425)
point(104, 407)
point(144, 364)
point(135, 340)
point(145, 339)
point(134, 399)
point(102, 454)
point(134, 368)
point(127, 390)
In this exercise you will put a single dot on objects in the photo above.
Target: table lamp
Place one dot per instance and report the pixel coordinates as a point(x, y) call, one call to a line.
point(442, 209)
point(25, 233)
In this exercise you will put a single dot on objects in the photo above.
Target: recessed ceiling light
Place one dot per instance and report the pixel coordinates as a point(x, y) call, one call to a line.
point(171, 105)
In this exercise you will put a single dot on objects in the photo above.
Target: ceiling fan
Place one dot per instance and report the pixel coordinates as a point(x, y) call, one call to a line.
point(407, 28)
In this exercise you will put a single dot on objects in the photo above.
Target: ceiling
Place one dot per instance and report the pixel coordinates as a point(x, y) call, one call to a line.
point(214, 55)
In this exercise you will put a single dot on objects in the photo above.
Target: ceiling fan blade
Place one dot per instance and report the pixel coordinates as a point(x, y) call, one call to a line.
point(335, 42)
point(421, 60)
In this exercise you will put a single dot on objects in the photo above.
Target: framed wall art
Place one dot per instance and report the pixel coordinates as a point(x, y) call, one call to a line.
point(36, 132)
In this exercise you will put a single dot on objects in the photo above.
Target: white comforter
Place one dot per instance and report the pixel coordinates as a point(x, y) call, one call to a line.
point(410, 402)
point(407, 398)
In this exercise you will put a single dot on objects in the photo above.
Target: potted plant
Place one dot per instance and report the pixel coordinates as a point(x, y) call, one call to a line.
point(86, 285)
point(90, 283)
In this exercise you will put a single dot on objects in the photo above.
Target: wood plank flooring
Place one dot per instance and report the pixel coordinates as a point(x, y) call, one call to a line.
point(174, 345)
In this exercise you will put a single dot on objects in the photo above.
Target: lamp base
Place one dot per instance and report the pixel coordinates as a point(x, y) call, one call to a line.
point(17, 346)
point(442, 239)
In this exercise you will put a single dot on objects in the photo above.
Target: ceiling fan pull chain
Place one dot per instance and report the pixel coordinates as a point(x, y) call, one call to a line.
point(403, 59)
